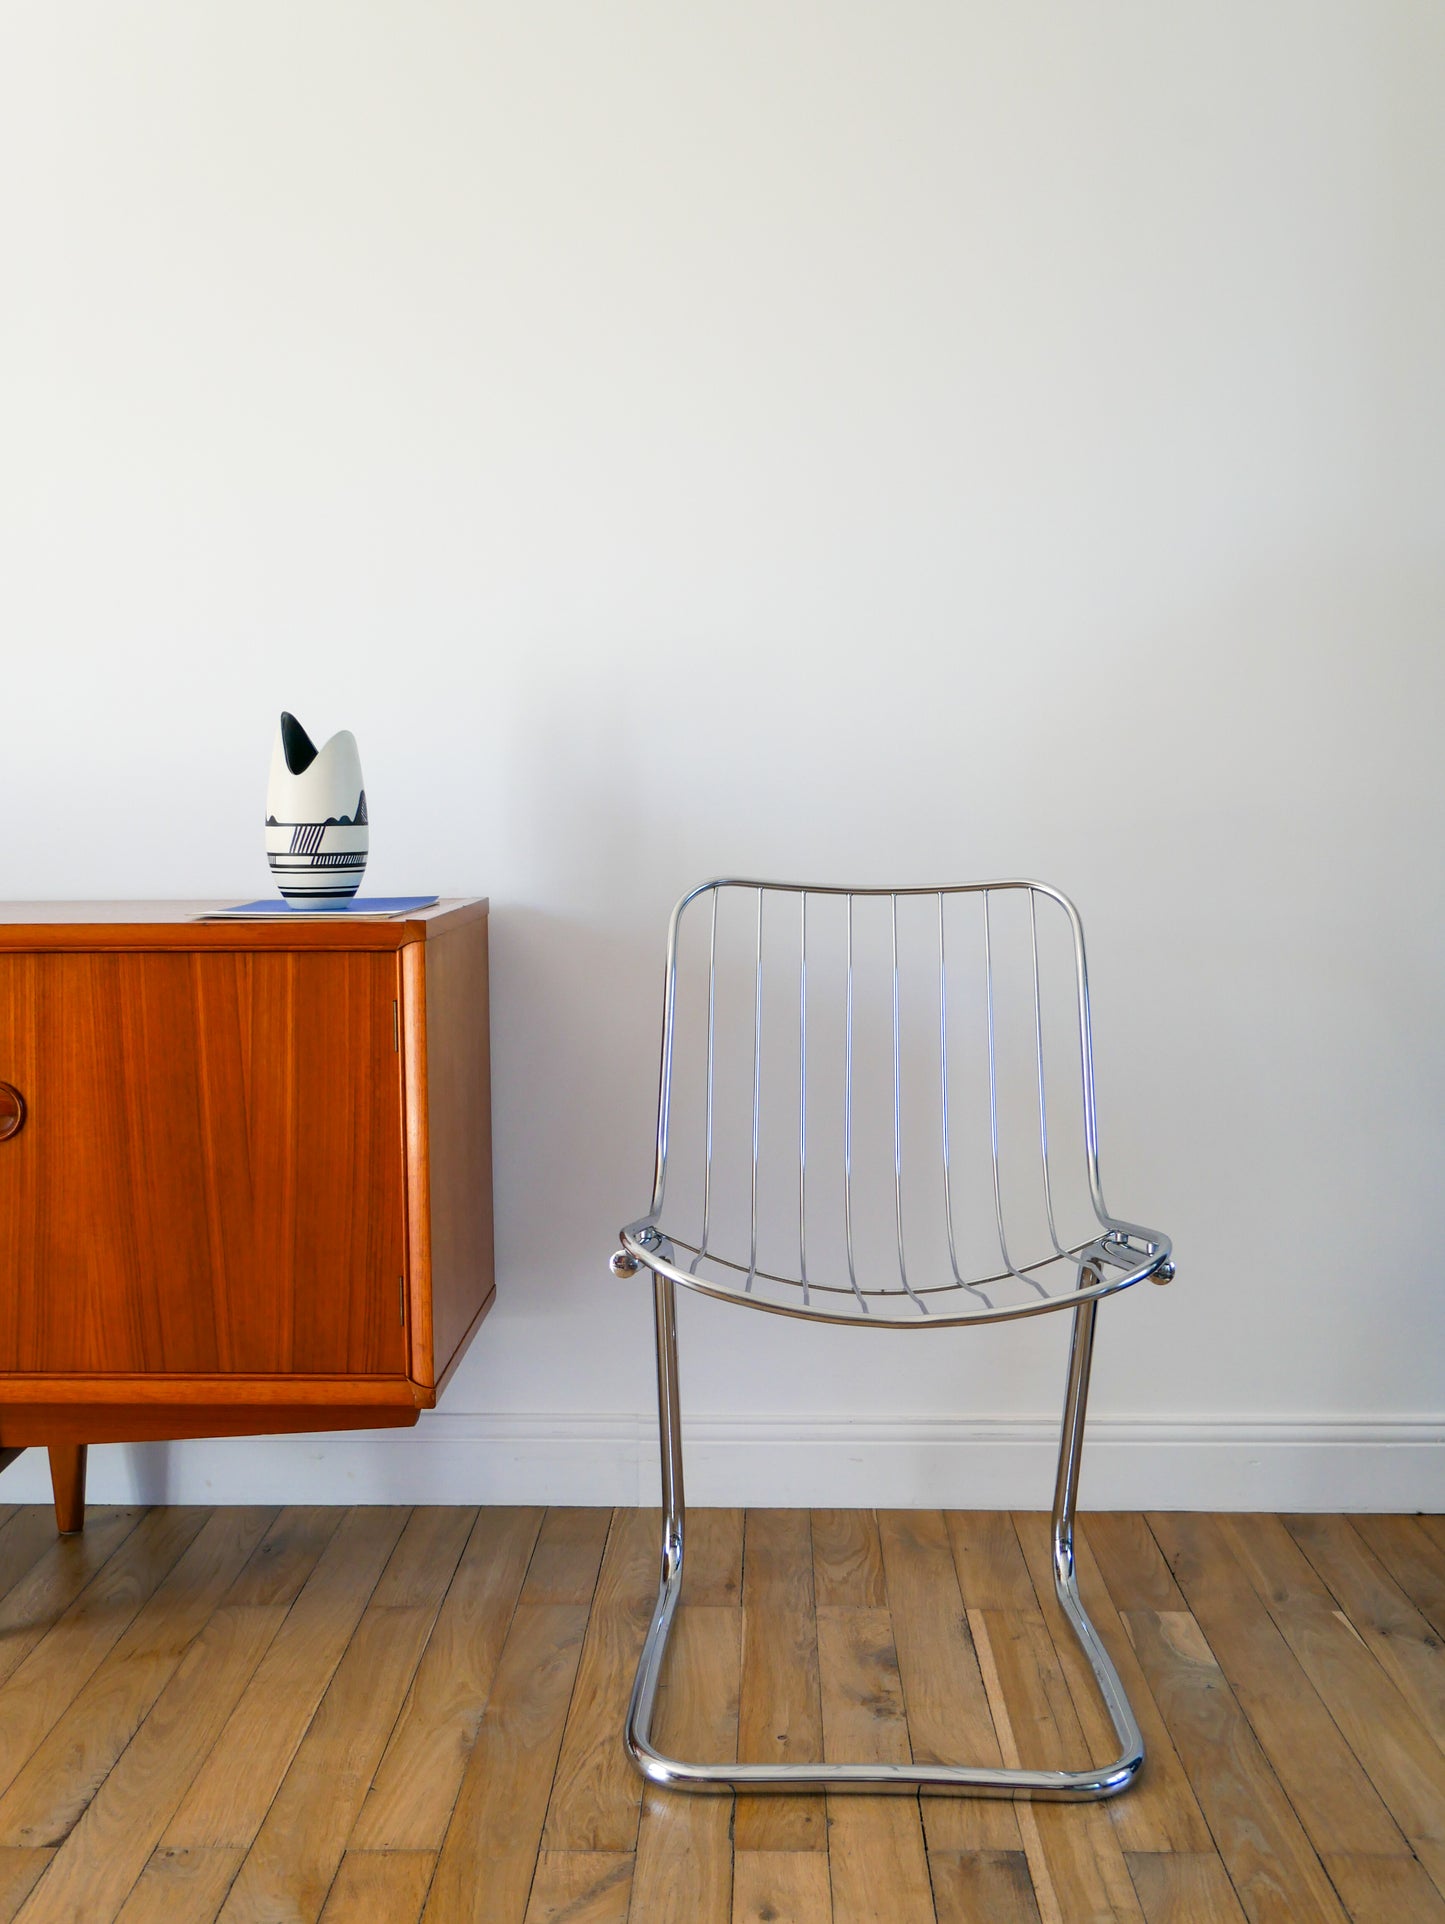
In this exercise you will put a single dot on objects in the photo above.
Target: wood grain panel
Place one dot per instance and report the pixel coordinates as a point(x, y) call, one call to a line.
point(416, 1783)
point(581, 1887)
point(47, 1797)
point(58, 927)
point(56, 1671)
point(780, 1713)
point(229, 1798)
point(684, 1844)
point(298, 1848)
point(1332, 1797)
point(875, 1844)
point(42, 1596)
point(210, 1178)
point(457, 1167)
point(379, 1887)
point(181, 1887)
point(1278, 1878)
point(1398, 1755)
point(1410, 1549)
point(949, 1720)
point(103, 1856)
point(484, 1872)
point(1073, 1850)
point(847, 1561)
point(1178, 1887)
point(171, 1638)
point(982, 1887)
point(19, 1872)
point(771, 1885)
point(1385, 1890)
point(567, 1556)
point(596, 1794)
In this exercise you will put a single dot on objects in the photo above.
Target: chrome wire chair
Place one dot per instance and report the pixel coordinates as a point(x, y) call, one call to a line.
point(934, 1001)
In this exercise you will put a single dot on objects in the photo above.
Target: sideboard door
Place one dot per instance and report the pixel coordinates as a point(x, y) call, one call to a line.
point(209, 1176)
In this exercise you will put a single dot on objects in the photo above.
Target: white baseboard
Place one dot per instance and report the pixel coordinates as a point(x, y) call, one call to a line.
point(1358, 1463)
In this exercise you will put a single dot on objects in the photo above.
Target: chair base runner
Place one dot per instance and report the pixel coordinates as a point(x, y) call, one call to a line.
point(1077, 1786)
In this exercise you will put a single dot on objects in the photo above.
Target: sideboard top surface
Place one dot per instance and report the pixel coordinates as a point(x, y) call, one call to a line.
point(178, 925)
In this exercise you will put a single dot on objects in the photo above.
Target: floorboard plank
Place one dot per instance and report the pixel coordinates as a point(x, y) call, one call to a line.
point(227, 1803)
point(337, 1718)
point(45, 1799)
point(416, 1785)
point(1131, 1562)
point(772, 1886)
point(1184, 1887)
point(684, 1843)
point(876, 1858)
point(1160, 1812)
point(581, 1887)
point(596, 1794)
point(36, 1602)
point(982, 1887)
point(290, 1866)
point(1410, 1551)
point(25, 1537)
point(1402, 1642)
point(848, 1561)
point(484, 1872)
point(1386, 1890)
point(714, 1559)
point(780, 1716)
point(96, 1866)
point(1275, 1873)
point(992, 1574)
point(947, 1708)
point(1401, 1759)
point(380, 1887)
point(1073, 1851)
point(181, 1887)
point(74, 1646)
point(1332, 1796)
point(567, 1556)
point(20, 1869)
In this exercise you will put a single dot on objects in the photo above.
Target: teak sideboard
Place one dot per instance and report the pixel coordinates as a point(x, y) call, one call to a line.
point(245, 1172)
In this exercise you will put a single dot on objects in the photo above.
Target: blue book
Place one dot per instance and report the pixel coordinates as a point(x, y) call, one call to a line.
point(275, 910)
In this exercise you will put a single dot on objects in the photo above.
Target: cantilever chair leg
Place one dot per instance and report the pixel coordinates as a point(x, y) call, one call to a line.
point(1104, 1780)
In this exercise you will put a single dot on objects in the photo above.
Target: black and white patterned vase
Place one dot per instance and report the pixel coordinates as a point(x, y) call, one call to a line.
point(316, 827)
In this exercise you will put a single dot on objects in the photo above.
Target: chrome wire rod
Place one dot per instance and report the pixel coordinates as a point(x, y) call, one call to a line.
point(958, 1278)
point(1083, 1252)
point(746, 1270)
point(711, 1044)
point(993, 1104)
point(1039, 1059)
point(898, 1121)
point(803, 1092)
point(848, 1112)
point(757, 1088)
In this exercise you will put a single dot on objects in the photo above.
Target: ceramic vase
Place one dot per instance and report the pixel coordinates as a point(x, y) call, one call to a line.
point(316, 827)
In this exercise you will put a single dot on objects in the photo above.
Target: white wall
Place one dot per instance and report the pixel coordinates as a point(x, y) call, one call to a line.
point(841, 440)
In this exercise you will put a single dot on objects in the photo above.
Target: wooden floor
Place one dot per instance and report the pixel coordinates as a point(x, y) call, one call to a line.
point(372, 1716)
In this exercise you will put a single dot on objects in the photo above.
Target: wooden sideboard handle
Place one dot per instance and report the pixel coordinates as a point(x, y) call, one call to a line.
point(12, 1111)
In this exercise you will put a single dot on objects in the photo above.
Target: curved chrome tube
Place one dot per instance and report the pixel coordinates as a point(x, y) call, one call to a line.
point(673, 1773)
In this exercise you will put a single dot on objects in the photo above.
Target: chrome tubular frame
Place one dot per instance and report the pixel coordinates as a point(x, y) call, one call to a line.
point(1126, 1249)
point(673, 1773)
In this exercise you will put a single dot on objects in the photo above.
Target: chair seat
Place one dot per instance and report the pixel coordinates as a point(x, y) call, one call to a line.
point(1061, 1281)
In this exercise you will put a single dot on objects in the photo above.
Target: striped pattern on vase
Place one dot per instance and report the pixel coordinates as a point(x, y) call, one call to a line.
point(317, 834)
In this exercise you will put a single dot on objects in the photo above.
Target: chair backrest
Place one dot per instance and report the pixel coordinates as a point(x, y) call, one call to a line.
point(869, 1091)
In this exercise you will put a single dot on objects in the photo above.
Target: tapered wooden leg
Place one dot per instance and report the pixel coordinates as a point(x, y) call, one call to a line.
point(67, 1479)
